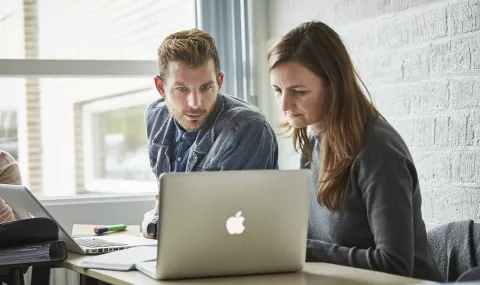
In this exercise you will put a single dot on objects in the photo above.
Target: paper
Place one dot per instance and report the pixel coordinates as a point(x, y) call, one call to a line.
point(122, 260)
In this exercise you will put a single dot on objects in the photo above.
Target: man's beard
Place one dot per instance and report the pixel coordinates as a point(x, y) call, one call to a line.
point(186, 122)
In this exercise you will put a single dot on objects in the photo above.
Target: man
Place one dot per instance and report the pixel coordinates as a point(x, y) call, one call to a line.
point(193, 127)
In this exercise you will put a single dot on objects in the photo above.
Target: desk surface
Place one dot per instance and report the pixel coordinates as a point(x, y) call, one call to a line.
point(313, 273)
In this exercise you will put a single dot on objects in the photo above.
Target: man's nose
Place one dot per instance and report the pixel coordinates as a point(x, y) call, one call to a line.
point(194, 100)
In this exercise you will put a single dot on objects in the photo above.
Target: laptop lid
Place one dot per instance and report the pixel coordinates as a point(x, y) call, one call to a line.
point(26, 206)
point(232, 222)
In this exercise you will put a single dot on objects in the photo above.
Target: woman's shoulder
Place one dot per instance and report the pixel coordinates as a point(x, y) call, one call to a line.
point(382, 146)
point(381, 136)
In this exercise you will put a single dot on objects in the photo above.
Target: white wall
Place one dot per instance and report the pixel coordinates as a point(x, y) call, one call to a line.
point(421, 60)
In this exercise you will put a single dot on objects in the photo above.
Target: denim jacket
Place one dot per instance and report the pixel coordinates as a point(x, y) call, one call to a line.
point(235, 136)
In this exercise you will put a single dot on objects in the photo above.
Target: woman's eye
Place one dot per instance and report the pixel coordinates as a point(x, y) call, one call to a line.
point(300, 92)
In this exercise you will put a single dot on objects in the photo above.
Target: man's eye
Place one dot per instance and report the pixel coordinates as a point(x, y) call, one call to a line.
point(182, 89)
point(206, 87)
point(277, 92)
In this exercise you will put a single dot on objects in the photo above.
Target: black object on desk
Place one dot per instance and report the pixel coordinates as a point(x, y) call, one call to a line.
point(31, 242)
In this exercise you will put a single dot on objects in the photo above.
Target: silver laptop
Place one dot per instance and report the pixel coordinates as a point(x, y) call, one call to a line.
point(231, 223)
point(26, 206)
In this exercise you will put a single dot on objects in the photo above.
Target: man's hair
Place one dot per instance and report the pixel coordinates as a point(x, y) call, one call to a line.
point(192, 47)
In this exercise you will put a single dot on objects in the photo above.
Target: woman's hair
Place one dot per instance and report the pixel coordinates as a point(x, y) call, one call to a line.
point(347, 110)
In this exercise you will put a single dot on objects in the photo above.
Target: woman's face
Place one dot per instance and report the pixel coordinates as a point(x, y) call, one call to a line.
point(301, 95)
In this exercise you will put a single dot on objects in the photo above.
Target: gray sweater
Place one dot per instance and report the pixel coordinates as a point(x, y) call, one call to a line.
point(380, 226)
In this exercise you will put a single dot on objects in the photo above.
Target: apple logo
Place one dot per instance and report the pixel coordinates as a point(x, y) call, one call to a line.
point(235, 224)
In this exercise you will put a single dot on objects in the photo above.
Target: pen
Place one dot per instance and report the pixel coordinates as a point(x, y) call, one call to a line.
point(101, 230)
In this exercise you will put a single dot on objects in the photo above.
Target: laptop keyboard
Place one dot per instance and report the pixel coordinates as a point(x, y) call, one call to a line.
point(93, 243)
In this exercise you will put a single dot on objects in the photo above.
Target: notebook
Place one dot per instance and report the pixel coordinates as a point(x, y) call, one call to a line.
point(123, 260)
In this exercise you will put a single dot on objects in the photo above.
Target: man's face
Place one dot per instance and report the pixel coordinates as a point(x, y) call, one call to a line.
point(190, 93)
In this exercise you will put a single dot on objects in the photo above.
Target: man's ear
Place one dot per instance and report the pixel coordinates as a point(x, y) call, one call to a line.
point(159, 85)
point(220, 80)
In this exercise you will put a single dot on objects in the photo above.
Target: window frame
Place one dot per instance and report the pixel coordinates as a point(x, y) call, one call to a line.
point(89, 110)
point(47, 68)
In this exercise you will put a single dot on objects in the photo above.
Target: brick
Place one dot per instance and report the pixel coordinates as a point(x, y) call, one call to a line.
point(345, 11)
point(464, 17)
point(465, 166)
point(465, 92)
point(451, 130)
point(404, 127)
point(428, 25)
point(416, 63)
point(398, 5)
point(475, 53)
point(371, 8)
point(392, 100)
point(358, 39)
point(363, 67)
point(427, 202)
point(441, 131)
point(451, 56)
point(429, 96)
point(384, 67)
point(457, 130)
point(390, 33)
point(473, 130)
point(456, 203)
point(433, 167)
point(423, 131)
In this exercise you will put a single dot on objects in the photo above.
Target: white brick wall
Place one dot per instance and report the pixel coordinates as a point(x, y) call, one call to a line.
point(421, 61)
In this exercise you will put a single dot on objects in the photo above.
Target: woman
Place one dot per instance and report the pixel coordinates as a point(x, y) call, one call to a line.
point(365, 201)
point(9, 174)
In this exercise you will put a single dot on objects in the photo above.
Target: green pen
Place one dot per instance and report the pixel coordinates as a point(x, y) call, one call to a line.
point(101, 230)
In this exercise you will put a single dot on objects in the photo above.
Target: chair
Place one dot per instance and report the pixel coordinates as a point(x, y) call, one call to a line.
point(455, 248)
point(471, 275)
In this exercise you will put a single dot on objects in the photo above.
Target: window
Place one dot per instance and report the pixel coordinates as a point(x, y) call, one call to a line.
point(76, 78)
point(115, 146)
point(9, 115)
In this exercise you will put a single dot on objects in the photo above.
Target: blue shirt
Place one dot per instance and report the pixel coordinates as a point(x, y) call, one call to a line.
point(184, 140)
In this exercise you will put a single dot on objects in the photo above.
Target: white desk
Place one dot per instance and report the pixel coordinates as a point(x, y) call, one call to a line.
point(313, 273)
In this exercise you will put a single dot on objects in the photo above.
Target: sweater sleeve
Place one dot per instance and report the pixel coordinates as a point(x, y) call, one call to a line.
point(385, 178)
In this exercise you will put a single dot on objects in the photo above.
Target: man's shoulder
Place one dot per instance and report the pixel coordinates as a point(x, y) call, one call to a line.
point(157, 108)
point(156, 115)
point(237, 112)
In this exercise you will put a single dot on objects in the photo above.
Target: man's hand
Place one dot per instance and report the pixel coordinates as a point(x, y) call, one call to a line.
point(148, 217)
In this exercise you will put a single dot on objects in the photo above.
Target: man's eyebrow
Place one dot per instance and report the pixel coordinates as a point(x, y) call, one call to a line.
point(208, 83)
point(178, 83)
